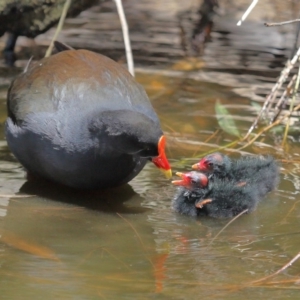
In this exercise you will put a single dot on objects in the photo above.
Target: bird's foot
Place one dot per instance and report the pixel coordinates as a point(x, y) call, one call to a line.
point(203, 202)
point(242, 183)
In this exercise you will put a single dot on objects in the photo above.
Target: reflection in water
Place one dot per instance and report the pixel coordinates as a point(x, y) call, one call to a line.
point(109, 201)
point(127, 243)
point(91, 242)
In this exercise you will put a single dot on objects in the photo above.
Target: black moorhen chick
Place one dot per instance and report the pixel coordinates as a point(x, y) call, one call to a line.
point(80, 119)
point(262, 171)
point(198, 196)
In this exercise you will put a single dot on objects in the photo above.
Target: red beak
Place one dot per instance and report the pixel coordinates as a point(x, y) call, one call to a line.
point(161, 160)
point(184, 180)
point(191, 180)
point(200, 166)
point(195, 166)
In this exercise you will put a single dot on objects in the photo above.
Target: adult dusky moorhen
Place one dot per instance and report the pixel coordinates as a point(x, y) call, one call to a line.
point(262, 171)
point(80, 119)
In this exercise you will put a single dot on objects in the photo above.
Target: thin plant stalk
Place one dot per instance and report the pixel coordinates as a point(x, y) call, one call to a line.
point(291, 108)
point(236, 217)
point(278, 271)
point(59, 27)
point(284, 96)
point(125, 31)
point(269, 127)
point(282, 23)
point(247, 12)
point(284, 74)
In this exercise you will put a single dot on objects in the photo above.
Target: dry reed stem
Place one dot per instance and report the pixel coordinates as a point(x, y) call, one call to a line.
point(138, 236)
point(236, 217)
point(59, 27)
point(268, 128)
point(282, 23)
point(284, 74)
point(291, 107)
point(231, 144)
point(212, 136)
point(247, 12)
point(290, 211)
point(85, 258)
point(283, 98)
point(207, 140)
point(125, 36)
point(278, 271)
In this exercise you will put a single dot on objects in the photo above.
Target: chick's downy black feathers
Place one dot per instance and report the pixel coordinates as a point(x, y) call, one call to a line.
point(227, 200)
point(220, 199)
point(231, 186)
point(259, 171)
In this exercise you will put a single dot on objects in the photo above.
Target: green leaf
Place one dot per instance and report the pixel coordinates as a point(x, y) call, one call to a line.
point(225, 120)
point(256, 106)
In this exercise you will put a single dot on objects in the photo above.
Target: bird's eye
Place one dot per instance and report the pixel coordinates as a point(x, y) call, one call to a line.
point(210, 164)
point(193, 181)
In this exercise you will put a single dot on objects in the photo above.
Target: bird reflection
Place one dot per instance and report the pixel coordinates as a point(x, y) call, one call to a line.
point(110, 200)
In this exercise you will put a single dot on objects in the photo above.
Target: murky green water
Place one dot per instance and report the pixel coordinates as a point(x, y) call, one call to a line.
point(128, 243)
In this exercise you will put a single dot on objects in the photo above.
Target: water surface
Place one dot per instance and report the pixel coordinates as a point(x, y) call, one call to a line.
point(127, 243)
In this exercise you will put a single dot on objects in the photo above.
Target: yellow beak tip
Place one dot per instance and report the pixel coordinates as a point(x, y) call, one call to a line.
point(179, 174)
point(168, 173)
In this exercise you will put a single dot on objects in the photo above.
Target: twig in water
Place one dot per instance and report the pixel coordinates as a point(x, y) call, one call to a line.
point(108, 252)
point(290, 211)
point(231, 144)
point(282, 23)
point(212, 136)
point(237, 216)
point(279, 271)
point(125, 36)
point(207, 140)
point(59, 26)
point(138, 236)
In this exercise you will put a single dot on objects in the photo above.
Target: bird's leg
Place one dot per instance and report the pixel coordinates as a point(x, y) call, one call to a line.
point(9, 49)
point(200, 204)
point(242, 183)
